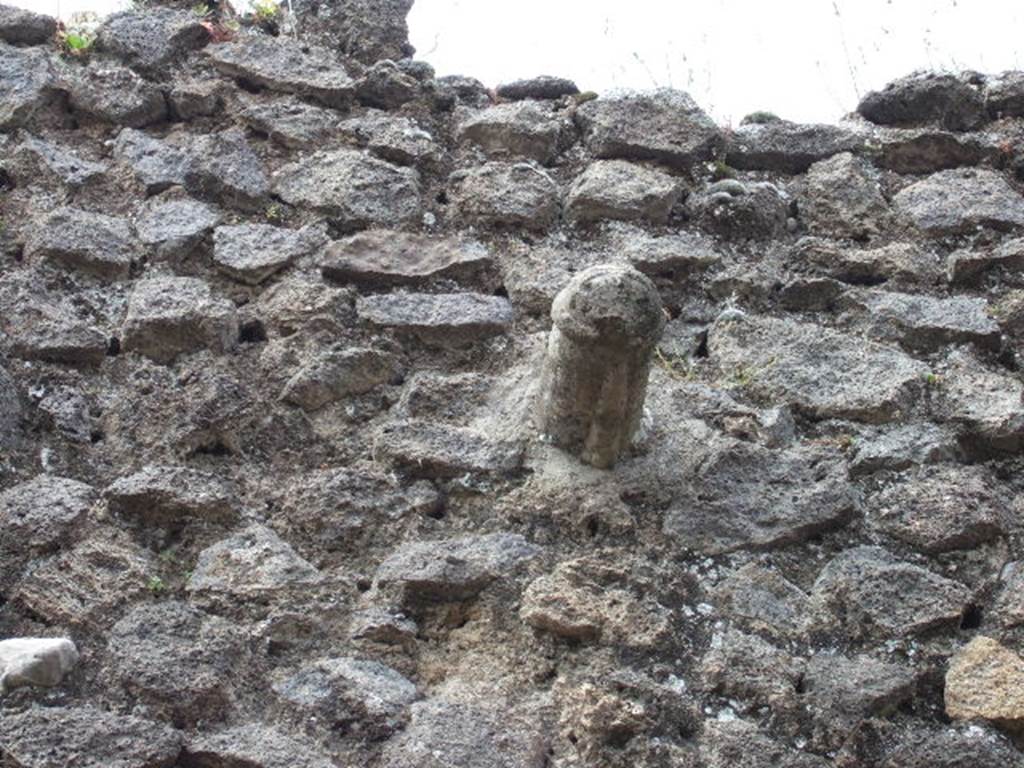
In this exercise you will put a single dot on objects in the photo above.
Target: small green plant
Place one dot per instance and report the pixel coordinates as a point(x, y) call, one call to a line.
point(932, 379)
point(721, 170)
point(266, 10)
point(202, 10)
point(156, 585)
point(76, 38)
point(273, 212)
point(679, 372)
point(743, 376)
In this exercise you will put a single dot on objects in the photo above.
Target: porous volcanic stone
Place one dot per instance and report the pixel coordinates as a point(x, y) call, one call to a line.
point(616, 189)
point(928, 323)
point(941, 508)
point(358, 695)
point(19, 26)
point(28, 86)
point(352, 188)
point(176, 659)
point(168, 316)
point(843, 198)
point(985, 681)
point(91, 242)
point(284, 64)
point(174, 227)
point(388, 257)
point(151, 39)
point(427, 449)
point(749, 497)
point(445, 318)
point(506, 195)
point(251, 253)
point(822, 372)
point(960, 200)
point(787, 147)
point(290, 121)
point(116, 95)
point(867, 592)
point(254, 745)
point(85, 737)
point(336, 374)
point(521, 128)
point(664, 125)
point(951, 101)
point(394, 138)
point(160, 495)
point(443, 733)
point(540, 87)
point(453, 569)
point(254, 563)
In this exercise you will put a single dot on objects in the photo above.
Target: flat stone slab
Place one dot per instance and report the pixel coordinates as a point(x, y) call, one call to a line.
point(250, 253)
point(283, 64)
point(388, 257)
point(867, 592)
point(58, 161)
point(432, 450)
point(169, 316)
point(353, 188)
point(93, 243)
point(665, 125)
point(520, 128)
point(85, 737)
point(749, 497)
point(961, 200)
point(255, 562)
point(616, 189)
point(929, 323)
point(453, 569)
point(499, 194)
point(447, 318)
point(786, 147)
point(822, 372)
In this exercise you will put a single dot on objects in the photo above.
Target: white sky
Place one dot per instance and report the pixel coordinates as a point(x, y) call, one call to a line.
point(806, 60)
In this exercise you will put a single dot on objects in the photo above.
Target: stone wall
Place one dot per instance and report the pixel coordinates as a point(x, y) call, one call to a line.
point(273, 312)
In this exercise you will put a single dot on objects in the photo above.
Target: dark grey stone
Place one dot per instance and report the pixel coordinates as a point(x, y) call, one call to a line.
point(93, 243)
point(352, 188)
point(161, 495)
point(961, 200)
point(540, 87)
point(787, 147)
point(151, 39)
point(19, 26)
point(519, 129)
point(116, 95)
point(867, 592)
point(85, 737)
point(927, 97)
point(665, 125)
point(616, 189)
point(169, 316)
point(442, 318)
point(503, 194)
point(284, 64)
point(427, 449)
